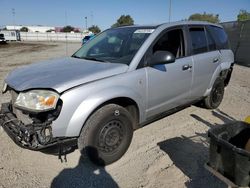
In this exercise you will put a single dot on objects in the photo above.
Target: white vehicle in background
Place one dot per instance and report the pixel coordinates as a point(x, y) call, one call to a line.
point(11, 35)
point(2, 39)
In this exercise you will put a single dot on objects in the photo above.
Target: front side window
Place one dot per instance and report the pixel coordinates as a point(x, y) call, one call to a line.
point(117, 45)
point(199, 41)
point(172, 41)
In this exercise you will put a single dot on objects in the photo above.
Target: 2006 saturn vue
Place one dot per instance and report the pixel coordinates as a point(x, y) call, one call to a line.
point(117, 82)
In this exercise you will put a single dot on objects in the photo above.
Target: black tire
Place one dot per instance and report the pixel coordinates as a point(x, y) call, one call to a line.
point(215, 97)
point(106, 135)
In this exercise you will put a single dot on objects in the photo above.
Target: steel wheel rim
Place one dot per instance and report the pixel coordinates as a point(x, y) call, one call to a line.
point(217, 94)
point(111, 136)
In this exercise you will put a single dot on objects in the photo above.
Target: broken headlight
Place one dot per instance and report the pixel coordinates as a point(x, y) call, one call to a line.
point(37, 100)
point(4, 89)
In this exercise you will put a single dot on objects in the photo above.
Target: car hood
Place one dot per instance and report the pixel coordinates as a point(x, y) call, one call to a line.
point(61, 74)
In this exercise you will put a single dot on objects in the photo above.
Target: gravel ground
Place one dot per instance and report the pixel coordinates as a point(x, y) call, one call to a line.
point(170, 152)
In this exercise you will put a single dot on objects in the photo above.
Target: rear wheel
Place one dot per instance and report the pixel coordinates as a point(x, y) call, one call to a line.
point(106, 135)
point(215, 97)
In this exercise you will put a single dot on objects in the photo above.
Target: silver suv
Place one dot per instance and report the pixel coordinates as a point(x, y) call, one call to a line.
point(122, 79)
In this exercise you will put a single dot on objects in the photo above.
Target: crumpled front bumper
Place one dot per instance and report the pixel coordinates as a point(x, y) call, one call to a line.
point(36, 136)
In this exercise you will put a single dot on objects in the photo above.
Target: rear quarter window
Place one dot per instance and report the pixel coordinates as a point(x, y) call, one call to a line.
point(220, 37)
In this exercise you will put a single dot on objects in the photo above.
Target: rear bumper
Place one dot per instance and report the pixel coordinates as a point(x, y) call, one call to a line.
point(37, 136)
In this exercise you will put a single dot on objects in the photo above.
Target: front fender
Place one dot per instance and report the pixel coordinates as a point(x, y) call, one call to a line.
point(91, 103)
point(80, 102)
point(73, 117)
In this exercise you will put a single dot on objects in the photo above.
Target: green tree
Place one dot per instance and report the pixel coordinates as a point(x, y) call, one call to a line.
point(243, 15)
point(124, 20)
point(213, 18)
point(24, 29)
point(50, 30)
point(67, 29)
point(94, 29)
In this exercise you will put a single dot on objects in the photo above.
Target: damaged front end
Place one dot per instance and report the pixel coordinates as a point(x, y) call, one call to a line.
point(33, 136)
point(33, 130)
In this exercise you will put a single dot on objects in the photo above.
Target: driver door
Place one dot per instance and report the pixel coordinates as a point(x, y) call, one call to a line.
point(169, 84)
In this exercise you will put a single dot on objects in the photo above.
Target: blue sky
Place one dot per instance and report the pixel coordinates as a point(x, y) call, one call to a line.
point(106, 12)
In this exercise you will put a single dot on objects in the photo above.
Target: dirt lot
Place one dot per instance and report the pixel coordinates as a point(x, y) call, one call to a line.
point(168, 153)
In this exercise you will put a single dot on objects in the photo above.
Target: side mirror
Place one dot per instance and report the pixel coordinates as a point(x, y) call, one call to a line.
point(162, 57)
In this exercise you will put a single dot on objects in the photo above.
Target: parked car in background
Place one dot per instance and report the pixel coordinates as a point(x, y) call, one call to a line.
point(117, 82)
point(2, 38)
point(87, 38)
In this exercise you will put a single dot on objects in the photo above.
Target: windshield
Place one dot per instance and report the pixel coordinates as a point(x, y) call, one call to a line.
point(114, 45)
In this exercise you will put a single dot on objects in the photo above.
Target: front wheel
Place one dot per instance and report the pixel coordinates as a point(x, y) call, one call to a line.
point(106, 135)
point(215, 97)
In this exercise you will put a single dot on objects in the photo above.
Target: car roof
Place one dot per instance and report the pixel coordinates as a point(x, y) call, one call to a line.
point(137, 26)
point(190, 23)
point(172, 24)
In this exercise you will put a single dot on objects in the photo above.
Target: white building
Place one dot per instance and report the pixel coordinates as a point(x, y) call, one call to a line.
point(40, 29)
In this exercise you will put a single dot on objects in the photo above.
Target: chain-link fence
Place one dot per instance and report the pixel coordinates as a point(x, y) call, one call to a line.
point(239, 37)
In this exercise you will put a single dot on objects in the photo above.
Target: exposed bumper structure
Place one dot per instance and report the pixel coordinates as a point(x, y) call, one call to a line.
point(36, 136)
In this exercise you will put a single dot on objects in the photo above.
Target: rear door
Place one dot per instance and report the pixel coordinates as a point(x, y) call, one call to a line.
point(169, 84)
point(206, 59)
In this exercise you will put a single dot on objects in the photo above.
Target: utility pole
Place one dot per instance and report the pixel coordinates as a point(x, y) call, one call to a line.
point(13, 16)
point(169, 16)
point(86, 22)
point(91, 17)
point(66, 35)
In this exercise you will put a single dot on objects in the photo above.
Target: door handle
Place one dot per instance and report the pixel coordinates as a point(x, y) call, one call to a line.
point(186, 67)
point(215, 60)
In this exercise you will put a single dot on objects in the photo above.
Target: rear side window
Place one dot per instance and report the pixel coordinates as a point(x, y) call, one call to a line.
point(220, 37)
point(211, 42)
point(199, 41)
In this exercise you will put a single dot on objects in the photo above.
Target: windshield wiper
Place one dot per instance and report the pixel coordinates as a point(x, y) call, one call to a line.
point(89, 58)
point(76, 56)
point(93, 59)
